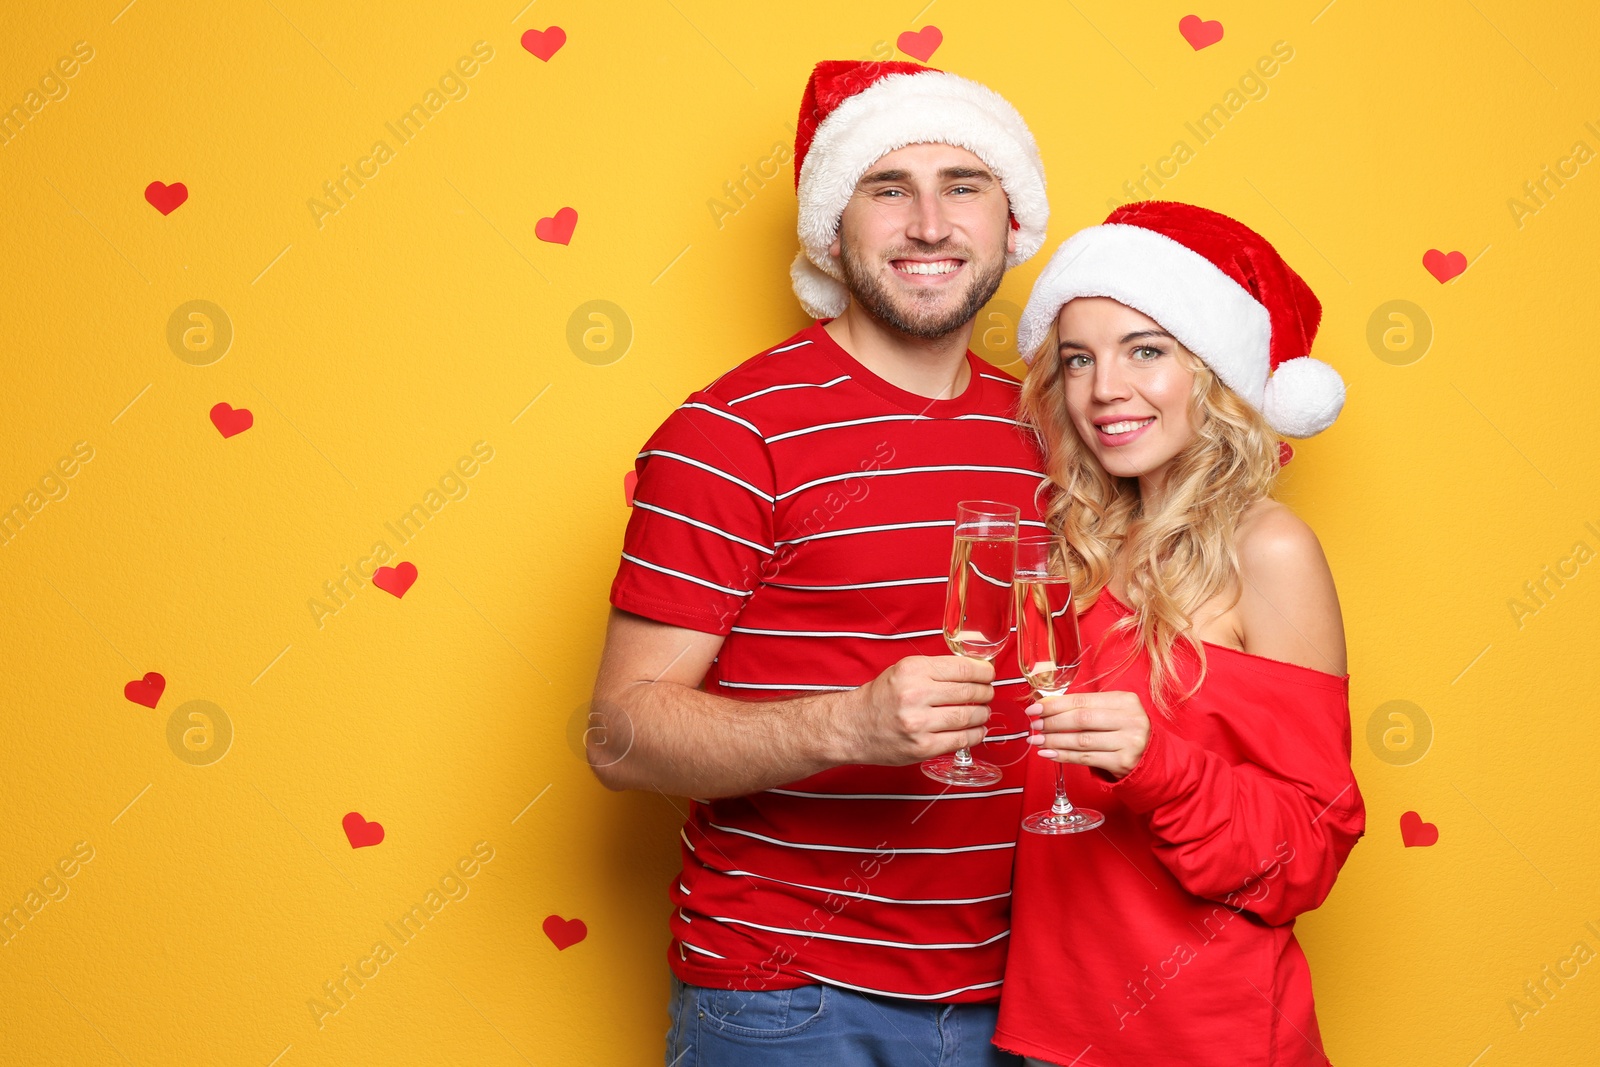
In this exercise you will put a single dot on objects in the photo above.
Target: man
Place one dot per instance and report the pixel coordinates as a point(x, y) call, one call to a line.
point(775, 651)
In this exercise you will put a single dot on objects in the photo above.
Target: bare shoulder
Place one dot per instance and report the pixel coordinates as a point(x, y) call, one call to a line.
point(1288, 606)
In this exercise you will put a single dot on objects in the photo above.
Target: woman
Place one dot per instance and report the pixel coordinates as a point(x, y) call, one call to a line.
point(1209, 721)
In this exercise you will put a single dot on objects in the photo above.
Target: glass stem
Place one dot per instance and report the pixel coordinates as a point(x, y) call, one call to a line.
point(1061, 805)
point(963, 756)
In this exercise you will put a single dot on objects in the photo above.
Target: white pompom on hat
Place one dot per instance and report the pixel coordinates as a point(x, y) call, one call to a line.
point(1217, 286)
point(853, 113)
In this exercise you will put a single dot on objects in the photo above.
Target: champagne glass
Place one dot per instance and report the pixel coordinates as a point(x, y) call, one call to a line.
point(977, 610)
point(1049, 649)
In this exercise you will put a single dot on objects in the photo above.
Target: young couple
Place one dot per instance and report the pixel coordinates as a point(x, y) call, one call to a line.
point(775, 648)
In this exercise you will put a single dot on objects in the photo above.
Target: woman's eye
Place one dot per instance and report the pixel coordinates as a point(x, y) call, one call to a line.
point(1071, 362)
point(1154, 352)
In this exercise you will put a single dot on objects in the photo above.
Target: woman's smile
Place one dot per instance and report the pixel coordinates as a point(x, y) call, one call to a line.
point(1117, 434)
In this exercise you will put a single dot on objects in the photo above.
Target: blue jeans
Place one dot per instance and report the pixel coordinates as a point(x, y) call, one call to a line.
point(825, 1025)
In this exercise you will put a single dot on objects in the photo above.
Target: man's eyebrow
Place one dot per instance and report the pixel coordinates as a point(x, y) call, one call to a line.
point(878, 177)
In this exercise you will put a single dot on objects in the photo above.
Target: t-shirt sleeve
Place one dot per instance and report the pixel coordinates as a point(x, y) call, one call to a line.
point(702, 522)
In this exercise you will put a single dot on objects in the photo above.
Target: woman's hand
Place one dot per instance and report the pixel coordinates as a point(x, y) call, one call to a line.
point(1108, 731)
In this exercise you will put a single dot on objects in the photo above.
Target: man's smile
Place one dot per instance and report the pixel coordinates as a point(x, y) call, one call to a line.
point(927, 271)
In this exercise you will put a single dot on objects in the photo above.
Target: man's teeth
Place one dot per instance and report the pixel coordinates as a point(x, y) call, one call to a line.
point(944, 266)
point(1124, 427)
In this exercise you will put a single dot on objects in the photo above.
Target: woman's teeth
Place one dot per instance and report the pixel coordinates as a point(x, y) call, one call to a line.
point(1117, 428)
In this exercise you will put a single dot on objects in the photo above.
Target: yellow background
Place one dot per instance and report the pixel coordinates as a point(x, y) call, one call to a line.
point(425, 315)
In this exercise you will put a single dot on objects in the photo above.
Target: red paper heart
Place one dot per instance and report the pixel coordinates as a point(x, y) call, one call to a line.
point(1198, 32)
point(922, 44)
point(564, 933)
point(1285, 453)
point(1416, 833)
point(1444, 266)
point(146, 690)
point(395, 580)
point(361, 832)
point(230, 420)
point(557, 229)
point(166, 198)
point(630, 481)
point(545, 43)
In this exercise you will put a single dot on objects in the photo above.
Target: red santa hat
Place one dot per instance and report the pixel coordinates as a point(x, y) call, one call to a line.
point(853, 113)
point(1214, 284)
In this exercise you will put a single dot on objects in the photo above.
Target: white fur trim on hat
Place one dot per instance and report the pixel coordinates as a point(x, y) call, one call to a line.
point(931, 107)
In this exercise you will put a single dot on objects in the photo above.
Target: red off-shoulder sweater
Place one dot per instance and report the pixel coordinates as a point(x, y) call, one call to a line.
point(1167, 934)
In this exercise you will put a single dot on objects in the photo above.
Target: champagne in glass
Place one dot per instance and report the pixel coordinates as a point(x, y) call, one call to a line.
point(1049, 649)
point(978, 610)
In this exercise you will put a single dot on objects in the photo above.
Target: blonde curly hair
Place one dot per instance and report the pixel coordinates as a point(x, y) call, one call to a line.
point(1186, 551)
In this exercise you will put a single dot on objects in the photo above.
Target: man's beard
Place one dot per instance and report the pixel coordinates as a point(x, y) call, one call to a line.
point(910, 318)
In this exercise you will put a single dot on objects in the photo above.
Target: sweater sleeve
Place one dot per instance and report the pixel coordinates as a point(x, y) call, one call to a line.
point(1267, 834)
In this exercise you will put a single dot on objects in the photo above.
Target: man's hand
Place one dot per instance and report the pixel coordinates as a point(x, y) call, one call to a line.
point(920, 707)
point(1104, 730)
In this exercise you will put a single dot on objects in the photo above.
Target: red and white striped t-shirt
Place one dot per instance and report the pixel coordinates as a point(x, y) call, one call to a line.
point(805, 508)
